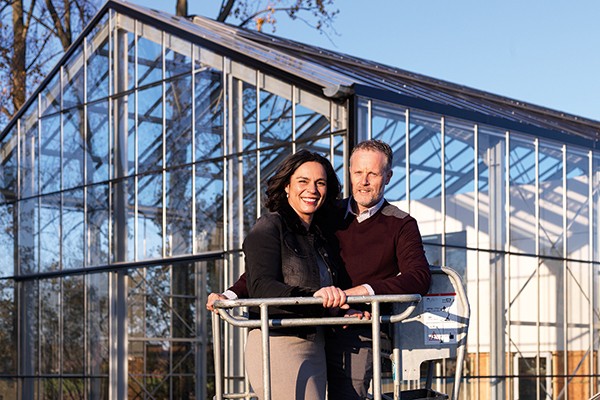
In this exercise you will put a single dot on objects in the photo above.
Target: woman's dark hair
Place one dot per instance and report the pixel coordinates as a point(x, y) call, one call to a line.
point(276, 197)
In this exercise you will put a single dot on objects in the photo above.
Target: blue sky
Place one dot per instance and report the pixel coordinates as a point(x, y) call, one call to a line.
point(542, 52)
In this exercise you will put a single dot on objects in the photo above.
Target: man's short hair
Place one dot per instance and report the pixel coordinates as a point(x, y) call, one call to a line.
point(376, 145)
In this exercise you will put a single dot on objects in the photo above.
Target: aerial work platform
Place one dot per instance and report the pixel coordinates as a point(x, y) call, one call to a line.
point(425, 328)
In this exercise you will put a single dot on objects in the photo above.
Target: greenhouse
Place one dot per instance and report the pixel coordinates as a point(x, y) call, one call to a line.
point(132, 174)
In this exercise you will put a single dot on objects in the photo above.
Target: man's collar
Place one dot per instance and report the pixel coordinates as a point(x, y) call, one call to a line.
point(365, 214)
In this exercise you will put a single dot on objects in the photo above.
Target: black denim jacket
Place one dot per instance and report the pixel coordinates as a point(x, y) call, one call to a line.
point(281, 260)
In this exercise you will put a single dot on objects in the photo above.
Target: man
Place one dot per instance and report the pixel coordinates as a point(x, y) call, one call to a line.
point(383, 253)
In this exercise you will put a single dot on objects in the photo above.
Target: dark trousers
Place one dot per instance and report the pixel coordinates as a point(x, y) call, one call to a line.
point(349, 362)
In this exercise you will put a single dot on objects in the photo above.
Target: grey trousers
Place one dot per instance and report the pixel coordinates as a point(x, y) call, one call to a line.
point(298, 369)
point(349, 362)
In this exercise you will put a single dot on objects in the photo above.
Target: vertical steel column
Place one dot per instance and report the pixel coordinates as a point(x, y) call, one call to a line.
point(443, 186)
point(538, 265)
point(565, 272)
point(591, 276)
point(375, 329)
point(498, 187)
point(266, 352)
point(119, 339)
point(477, 234)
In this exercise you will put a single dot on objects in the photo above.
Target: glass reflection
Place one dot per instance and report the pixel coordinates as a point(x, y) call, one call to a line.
point(149, 218)
point(209, 206)
point(73, 148)
point(150, 123)
point(73, 238)
point(149, 55)
point(98, 66)
point(73, 301)
point(50, 233)
point(7, 239)
point(50, 153)
point(208, 105)
point(178, 130)
point(178, 198)
point(275, 120)
point(98, 143)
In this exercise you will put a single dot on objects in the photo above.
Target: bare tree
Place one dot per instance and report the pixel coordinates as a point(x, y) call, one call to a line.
point(33, 34)
point(318, 14)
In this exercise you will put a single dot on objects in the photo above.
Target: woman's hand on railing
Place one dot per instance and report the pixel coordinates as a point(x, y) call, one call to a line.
point(211, 301)
point(333, 297)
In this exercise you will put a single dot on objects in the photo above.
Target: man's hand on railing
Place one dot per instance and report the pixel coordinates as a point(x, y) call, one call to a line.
point(333, 297)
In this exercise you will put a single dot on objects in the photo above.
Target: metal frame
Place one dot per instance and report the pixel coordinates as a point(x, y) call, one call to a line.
point(265, 323)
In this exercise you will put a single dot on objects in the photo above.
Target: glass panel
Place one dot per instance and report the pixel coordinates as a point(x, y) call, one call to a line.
point(131, 42)
point(310, 123)
point(131, 142)
point(98, 143)
point(49, 389)
point(150, 129)
point(98, 323)
point(97, 220)
point(50, 157)
point(73, 326)
point(551, 200)
point(491, 178)
point(596, 206)
point(73, 238)
point(50, 233)
point(244, 116)
point(178, 130)
point(389, 125)
point(460, 181)
point(243, 197)
point(9, 226)
point(425, 172)
point(49, 326)
point(73, 91)
point(73, 148)
point(178, 199)
point(183, 312)
point(50, 97)
point(150, 211)
point(28, 236)
point(8, 329)
point(578, 203)
point(98, 388)
point(338, 161)
point(522, 195)
point(177, 56)
point(275, 119)
point(8, 388)
point(8, 167)
point(209, 114)
point(72, 388)
point(136, 305)
point(98, 65)
point(122, 219)
point(209, 206)
point(29, 156)
point(149, 55)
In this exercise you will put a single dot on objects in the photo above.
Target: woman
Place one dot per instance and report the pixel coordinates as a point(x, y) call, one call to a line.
point(287, 256)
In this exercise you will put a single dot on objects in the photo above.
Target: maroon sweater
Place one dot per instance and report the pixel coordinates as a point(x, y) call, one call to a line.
point(384, 251)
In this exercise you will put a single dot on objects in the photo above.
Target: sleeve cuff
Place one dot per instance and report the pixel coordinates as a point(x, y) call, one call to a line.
point(230, 295)
point(369, 289)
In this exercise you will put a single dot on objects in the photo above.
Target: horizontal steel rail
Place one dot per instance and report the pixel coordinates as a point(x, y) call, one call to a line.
point(224, 306)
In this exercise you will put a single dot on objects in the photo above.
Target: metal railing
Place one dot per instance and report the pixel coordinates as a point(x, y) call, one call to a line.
point(409, 301)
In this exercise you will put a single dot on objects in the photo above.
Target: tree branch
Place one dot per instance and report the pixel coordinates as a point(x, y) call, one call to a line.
point(226, 7)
